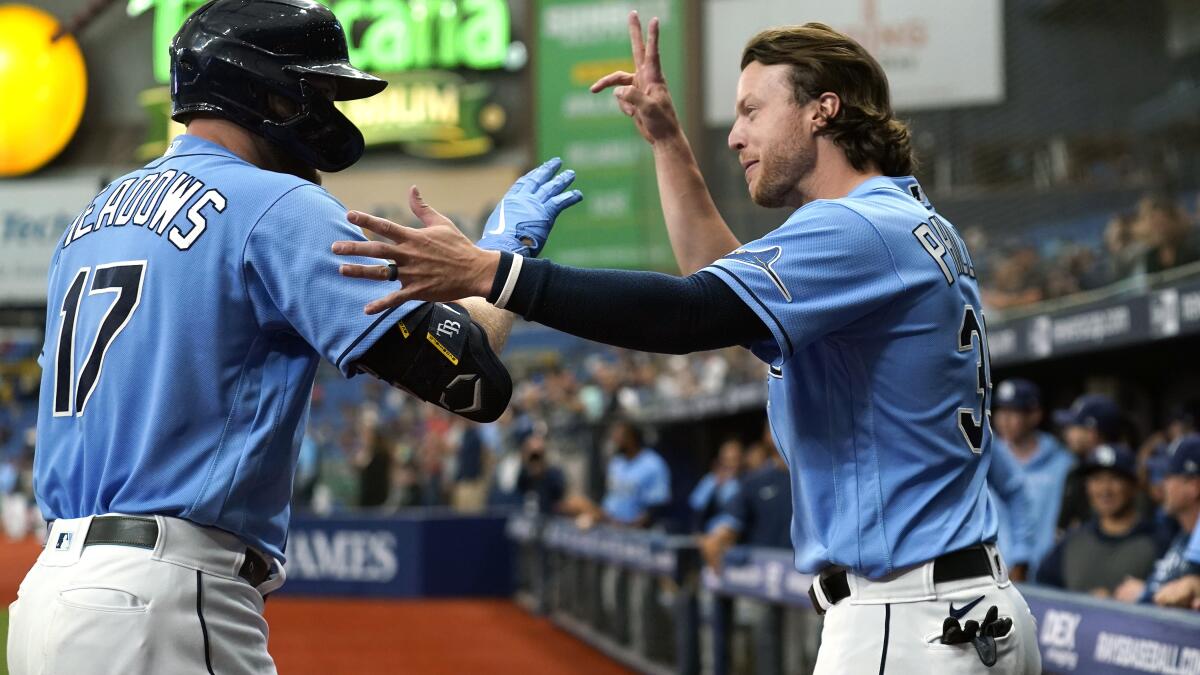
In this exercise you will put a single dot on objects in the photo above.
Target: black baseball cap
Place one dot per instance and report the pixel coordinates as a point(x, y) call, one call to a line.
point(1185, 458)
point(1111, 457)
point(1093, 411)
point(1017, 394)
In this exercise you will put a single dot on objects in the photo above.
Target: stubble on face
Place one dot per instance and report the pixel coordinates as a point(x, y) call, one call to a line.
point(782, 164)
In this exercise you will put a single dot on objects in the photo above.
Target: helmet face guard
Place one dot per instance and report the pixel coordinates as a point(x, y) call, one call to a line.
point(231, 55)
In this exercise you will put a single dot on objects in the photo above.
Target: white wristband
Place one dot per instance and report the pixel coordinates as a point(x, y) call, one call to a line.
point(510, 283)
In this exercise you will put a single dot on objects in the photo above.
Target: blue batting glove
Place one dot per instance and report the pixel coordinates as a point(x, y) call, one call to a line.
point(522, 220)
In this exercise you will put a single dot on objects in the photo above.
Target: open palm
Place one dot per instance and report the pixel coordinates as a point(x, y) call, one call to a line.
point(643, 94)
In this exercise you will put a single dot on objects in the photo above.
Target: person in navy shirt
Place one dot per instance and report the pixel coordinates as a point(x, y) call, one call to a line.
point(760, 514)
point(1181, 501)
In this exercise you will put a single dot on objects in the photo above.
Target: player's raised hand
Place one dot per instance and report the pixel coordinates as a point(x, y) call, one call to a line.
point(522, 220)
point(436, 263)
point(643, 94)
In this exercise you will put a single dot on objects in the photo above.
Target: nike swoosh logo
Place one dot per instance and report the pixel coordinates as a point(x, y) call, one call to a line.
point(500, 225)
point(962, 611)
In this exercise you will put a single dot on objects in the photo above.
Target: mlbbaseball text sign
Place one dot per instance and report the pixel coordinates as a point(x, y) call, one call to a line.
point(936, 53)
point(619, 223)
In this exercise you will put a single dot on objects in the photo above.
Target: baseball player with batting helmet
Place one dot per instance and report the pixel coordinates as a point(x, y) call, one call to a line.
point(188, 307)
point(865, 305)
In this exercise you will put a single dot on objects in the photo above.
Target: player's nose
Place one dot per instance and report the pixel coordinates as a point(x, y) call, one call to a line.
point(737, 140)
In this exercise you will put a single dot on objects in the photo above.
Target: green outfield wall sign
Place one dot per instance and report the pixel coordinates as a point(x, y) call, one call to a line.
point(422, 47)
point(619, 223)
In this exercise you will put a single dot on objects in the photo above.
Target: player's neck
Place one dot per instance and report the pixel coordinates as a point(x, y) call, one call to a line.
point(248, 147)
point(229, 136)
point(833, 177)
point(1026, 447)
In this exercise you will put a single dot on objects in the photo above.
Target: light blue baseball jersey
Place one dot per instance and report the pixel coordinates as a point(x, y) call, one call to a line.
point(879, 386)
point(1193, 548)
point(1015, 516)
point(635, 485)
point(188, 307)
point(1044, 475)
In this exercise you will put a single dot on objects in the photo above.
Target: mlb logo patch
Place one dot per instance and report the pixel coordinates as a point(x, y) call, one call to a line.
point(63, 543)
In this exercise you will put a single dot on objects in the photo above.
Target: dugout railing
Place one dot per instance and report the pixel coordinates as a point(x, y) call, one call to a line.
point(565, 573)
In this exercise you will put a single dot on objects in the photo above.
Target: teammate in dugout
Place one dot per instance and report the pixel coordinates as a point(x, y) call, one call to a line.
point(865, 305)
point(188, 307)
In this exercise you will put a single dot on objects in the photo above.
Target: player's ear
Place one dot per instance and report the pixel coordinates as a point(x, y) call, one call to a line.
point(827, 107)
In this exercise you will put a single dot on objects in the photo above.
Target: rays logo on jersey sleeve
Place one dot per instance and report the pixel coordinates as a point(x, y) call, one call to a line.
point(764, 260)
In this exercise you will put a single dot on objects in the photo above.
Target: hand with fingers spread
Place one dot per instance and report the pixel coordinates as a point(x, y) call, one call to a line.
point(436, 263)
point(643, 94)
point(522, 220)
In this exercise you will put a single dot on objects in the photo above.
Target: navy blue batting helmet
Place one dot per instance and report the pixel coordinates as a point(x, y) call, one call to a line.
point(231, 55)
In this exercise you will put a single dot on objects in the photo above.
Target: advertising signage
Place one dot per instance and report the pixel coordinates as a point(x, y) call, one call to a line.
point(435, 54)
point(619, 223)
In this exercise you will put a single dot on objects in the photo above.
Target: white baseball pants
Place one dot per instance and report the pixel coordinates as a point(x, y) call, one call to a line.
point(180, 608)
point(894, 626)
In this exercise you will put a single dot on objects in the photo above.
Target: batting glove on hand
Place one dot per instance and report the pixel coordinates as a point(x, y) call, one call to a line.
point(522, 220)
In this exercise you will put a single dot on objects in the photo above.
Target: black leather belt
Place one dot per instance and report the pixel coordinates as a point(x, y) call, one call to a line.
point(143, 533)
point(962, 564)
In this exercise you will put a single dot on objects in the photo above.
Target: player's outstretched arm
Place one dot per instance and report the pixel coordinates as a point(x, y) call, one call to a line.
point(637, 310)
point(698, 233)
point(446, 352)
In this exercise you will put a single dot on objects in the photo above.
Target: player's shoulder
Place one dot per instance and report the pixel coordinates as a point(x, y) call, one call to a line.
point(886, 201)
point(239, 180)
point(650, 457)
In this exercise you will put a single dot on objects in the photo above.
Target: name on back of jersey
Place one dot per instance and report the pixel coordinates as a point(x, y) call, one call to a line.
point(152, 202)
point(946, 248)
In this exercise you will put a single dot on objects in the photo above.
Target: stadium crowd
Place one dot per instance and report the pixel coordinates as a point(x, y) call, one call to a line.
point(1161, 232)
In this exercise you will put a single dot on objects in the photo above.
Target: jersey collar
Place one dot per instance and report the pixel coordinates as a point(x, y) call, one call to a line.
point(906, 184)
point(186, 144)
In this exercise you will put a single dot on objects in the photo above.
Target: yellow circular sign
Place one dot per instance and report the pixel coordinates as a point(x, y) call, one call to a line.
point(43, 86)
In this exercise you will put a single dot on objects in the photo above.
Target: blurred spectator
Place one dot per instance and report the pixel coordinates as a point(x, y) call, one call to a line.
point(374, 465)
point(1163, 228)
point(308, 466)
point(542, 485)
point(1127, 544)
point(504, 491)
point(639, 481)
point(1155, 452)
point(1092, 420)
point(1181, 501)
point(1017, 280)
point(1123, 253)
point(470, 484)
point(718, 486)
point(760, 514)
point(1185, 591)
point(757, 454)
point(1043, 462)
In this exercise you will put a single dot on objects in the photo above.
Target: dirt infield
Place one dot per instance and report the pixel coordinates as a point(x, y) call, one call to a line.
point(332, 636)
point(423, 637)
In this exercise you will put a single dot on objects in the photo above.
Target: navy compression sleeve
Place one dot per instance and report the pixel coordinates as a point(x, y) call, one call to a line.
point(646, 311)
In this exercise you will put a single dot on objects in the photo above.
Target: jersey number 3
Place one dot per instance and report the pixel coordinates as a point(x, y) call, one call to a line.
point(124, 279)
point(972, 425)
